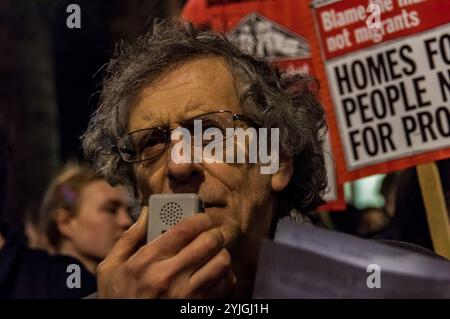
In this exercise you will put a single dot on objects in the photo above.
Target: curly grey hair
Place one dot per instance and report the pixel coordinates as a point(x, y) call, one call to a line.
point(272, 98)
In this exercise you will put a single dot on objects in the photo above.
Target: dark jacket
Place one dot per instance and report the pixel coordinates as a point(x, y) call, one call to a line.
point(29, 273)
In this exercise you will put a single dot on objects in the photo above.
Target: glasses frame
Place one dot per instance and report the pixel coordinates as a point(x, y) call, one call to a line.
point(167, 132)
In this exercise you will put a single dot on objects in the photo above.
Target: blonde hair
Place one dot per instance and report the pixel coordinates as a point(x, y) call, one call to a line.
point(63, 192)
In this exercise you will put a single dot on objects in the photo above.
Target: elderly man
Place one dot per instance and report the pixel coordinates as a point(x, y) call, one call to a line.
point(172, 76)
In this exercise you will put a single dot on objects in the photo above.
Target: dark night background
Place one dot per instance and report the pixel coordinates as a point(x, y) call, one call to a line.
point(50, 76)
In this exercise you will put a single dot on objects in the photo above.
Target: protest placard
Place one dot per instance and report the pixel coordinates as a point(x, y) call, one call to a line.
point(387, 66)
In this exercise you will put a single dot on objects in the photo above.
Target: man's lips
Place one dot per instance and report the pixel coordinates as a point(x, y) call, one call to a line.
point(217, 205)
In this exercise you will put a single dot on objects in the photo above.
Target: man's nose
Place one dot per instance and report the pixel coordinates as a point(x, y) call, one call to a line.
point(183, 172)
point(180, 169)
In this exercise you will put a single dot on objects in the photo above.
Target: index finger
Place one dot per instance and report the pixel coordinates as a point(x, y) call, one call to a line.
point(131, 239)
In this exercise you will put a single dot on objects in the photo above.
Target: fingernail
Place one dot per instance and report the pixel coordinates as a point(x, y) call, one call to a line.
point(139, 220)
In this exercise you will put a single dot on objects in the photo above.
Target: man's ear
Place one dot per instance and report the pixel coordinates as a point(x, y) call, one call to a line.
point(63, 220)
point(281, 178)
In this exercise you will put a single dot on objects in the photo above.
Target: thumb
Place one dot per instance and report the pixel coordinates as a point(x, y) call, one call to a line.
point(131, 239)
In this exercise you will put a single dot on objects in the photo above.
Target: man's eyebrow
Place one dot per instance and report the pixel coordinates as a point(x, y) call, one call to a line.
point(150, 117)
point(188, 110)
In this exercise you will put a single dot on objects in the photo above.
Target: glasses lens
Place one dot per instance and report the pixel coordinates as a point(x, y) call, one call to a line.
point(143, 145)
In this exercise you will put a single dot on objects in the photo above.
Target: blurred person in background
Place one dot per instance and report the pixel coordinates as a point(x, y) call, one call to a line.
point(410, 219)
point(83, 216)
point(373, 221)
point(31, 273)
point(388, 190)
point(370, 222)
point(367, 223)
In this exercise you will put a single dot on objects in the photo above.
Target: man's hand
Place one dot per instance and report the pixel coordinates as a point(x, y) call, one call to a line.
point(188, 261)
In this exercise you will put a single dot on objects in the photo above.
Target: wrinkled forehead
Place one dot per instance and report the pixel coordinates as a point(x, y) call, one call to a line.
point(190, 89)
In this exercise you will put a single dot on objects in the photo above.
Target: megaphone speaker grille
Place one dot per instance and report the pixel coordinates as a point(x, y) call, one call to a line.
point(171, 213)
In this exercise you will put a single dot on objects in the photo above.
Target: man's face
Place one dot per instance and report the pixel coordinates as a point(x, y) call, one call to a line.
point(238, 198)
